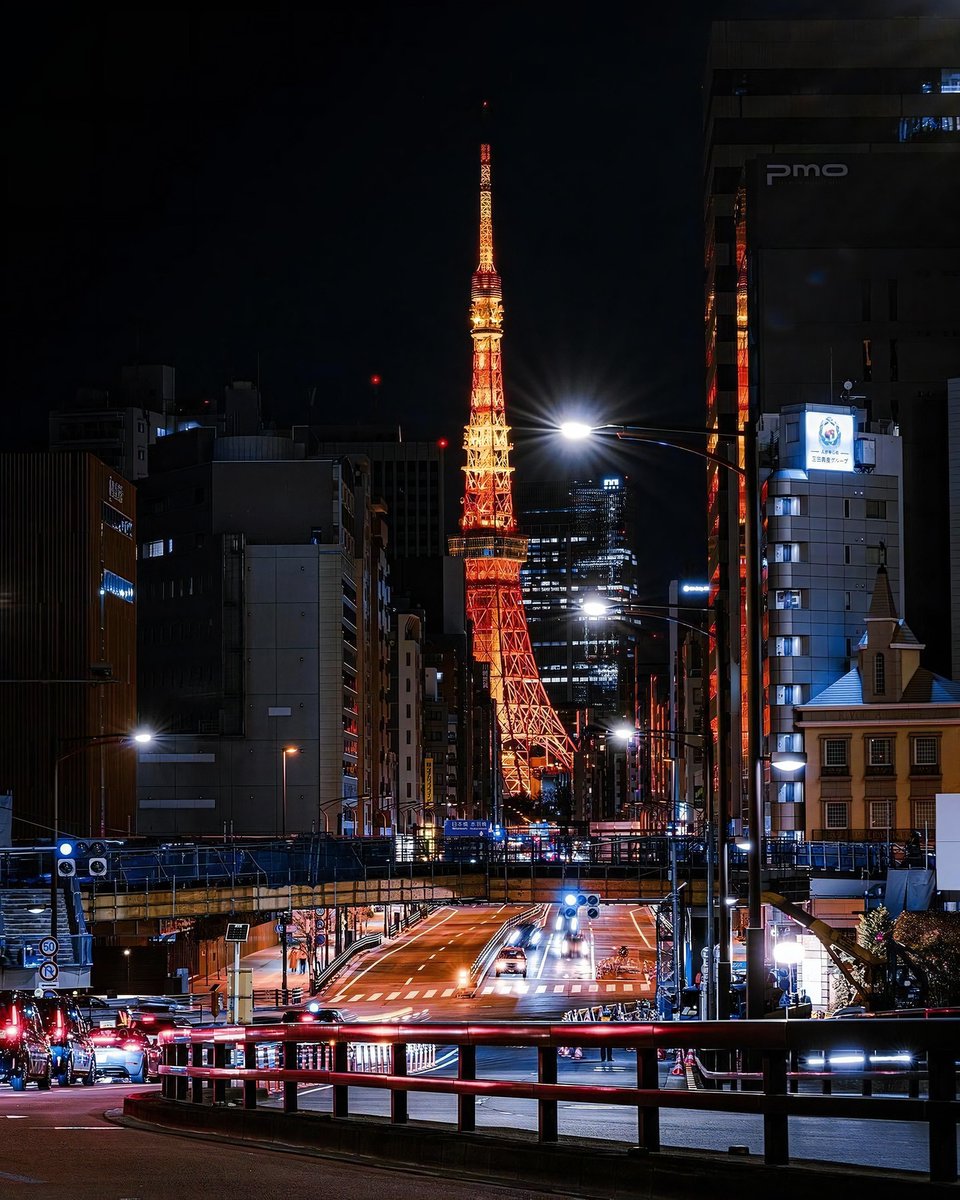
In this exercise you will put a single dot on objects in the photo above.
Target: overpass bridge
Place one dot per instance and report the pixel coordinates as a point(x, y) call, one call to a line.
point(136, 880)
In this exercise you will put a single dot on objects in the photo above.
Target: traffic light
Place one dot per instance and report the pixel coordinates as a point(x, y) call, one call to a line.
point(66, 862)
point(574, 901)
point(97, 867)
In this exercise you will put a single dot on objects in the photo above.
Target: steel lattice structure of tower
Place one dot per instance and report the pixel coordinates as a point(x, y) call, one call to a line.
point(533, 740)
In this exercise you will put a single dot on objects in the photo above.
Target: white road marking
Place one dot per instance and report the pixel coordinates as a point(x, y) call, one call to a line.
point(412, 995)
point(430, 994)
point(393, 995)
point(486, 991)
point(447, 993)
point(540, 990)
point(375, 995)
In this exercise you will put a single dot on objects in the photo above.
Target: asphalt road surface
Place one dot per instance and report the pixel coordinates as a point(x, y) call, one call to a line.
point(417, 976)
point(60, 1145)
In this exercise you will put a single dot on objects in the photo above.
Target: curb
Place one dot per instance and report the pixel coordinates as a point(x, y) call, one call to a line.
point(576, 1166)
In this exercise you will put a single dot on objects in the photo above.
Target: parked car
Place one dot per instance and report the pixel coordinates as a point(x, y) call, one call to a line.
point(24, 1050)
point(511, 961)
point(71, 1048)
point(125, 1053)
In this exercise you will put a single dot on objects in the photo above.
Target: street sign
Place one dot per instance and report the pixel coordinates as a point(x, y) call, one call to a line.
point(320, 938)
point(280, 927)
point(237, 933)
point(49, 972)
point(49, 947)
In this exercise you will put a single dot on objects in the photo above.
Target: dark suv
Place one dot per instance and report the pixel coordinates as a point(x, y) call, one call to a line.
point(24, 1050)
point(74, 1055)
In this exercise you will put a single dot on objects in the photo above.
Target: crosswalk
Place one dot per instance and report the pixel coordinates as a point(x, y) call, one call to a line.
point(513, 987)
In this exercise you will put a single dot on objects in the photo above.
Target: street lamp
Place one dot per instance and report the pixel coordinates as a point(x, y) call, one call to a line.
point(141, 737)
point(283, 758)
point(749, 473)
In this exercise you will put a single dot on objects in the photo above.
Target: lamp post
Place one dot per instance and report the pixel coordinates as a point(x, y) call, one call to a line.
point(749, 474)
point(283, 758)
point(82, 743)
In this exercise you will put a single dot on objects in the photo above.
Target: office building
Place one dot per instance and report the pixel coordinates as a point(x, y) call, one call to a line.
point(263, 629)
point(580, 537)
point(833, 512)
point(68, 645)
point(832, 167)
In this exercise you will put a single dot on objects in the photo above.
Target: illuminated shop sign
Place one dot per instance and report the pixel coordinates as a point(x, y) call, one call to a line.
point(829, 441)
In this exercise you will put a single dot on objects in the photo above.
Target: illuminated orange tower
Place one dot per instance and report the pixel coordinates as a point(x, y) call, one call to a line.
point(533, 741)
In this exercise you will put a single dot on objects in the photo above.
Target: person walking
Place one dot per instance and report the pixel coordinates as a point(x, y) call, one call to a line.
point(606, 1051)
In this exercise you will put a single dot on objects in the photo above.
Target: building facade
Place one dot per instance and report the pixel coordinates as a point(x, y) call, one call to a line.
point(580, 539)
point(68, 646)
point(882, 740)
point(832, 165)
point(263, 630)
point(833, 511)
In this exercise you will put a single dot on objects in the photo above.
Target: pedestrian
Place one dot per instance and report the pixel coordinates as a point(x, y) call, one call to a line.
point(292, 960)
point(302, 964)
point(606, 1050)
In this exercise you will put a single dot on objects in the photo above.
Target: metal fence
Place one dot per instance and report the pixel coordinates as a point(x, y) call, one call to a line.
point(197, 1059)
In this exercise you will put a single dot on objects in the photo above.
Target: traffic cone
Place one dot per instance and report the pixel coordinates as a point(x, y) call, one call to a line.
point(689, 1060)
point(677, 1068)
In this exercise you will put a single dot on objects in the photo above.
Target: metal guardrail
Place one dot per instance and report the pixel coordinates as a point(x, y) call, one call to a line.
point(333, 969)
point(199, 1058)
point(482, 961)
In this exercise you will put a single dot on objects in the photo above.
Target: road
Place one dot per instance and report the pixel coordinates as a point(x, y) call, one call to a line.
point(60, 1145)
point(416, 977)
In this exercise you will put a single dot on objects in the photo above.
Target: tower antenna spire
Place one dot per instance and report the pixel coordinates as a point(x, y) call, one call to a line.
point(532, 738)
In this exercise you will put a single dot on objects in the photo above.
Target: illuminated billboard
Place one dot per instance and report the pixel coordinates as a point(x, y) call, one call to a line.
point(829, 442)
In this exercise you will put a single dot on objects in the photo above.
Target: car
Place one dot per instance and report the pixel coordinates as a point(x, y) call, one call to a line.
point(511, 961)
point(572, 946)
point(72, 1050)
point(151, 1024)
point(125, 1053)
point(25, 1055)
point(526, 934)
point(312, 1013)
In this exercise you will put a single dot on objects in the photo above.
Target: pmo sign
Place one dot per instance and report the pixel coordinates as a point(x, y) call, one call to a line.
point(805, 171)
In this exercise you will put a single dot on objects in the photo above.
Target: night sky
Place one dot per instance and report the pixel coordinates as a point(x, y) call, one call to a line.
point(295, 194)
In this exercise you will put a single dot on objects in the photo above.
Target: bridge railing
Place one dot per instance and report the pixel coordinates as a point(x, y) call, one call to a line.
point(195, 1059)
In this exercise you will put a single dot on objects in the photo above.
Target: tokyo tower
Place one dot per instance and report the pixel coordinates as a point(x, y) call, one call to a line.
point(533, 740)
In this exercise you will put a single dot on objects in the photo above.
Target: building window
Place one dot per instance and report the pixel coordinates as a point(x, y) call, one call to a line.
point(790, 791)
point(866, 367)
point(876, 510)
point(154, 549)
point(116, 585)
point(787, 598)
point(879, 675)
point(846, 510)
point(788, 647)
point(883, 814)
point(116, 519)
point(786, 552)
point(786, 506)
point(835, 752)
point(789, 693)
point(874, 556)
point(925, 816)
point(926, 752)
point(847, 600)
point(835, 814)
point(846, 555)
point(790, 741)
point(879, 752)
